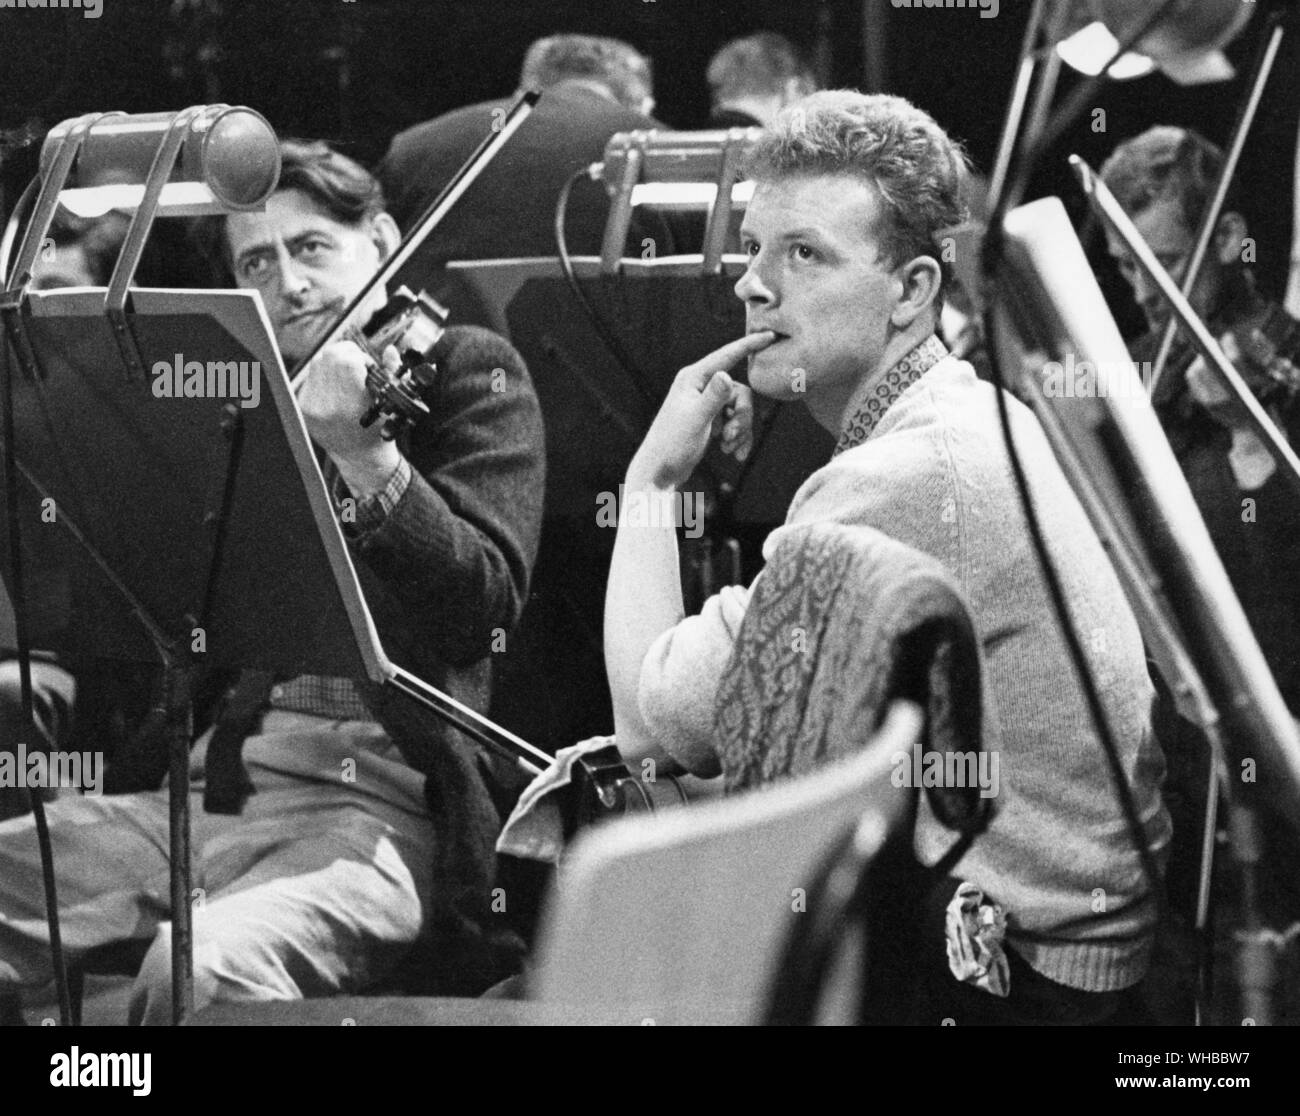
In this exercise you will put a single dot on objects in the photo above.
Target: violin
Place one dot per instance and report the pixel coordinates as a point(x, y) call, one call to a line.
point(1264, 349)
point(414, 325)
point(605, 788)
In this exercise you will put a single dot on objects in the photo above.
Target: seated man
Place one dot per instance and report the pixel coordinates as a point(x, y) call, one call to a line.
point(362, 837)
point(842, 294)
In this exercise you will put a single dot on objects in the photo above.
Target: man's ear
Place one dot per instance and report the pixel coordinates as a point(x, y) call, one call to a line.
point(385, 234)
point(1230, 237)
point(921, 278)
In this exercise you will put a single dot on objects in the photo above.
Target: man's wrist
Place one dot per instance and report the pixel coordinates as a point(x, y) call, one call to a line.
point(368, 473)
point(648, 477)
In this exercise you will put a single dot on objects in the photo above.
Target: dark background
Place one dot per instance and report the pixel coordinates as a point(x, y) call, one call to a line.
point(357, 72)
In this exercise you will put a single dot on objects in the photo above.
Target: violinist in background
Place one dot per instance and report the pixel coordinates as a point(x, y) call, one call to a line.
point(1163, 179)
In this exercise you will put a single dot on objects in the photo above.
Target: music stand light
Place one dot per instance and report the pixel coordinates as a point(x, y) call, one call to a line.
point(677, 170)
point(1186, 43)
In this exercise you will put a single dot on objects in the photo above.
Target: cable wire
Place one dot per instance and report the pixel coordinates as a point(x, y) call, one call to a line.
point(611, 342)
point(25, 684)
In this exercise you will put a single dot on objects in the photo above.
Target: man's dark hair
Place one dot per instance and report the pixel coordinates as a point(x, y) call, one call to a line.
point(100, 238)
point(1165, 162)
point(341, 186)
point(757, 65)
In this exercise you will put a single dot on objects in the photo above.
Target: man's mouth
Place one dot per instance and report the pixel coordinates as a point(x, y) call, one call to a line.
point(312, 315)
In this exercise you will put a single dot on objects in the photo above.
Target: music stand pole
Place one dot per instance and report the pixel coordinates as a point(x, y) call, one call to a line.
point(1129, 462)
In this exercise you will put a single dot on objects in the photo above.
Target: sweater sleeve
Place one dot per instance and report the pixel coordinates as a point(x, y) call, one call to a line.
point(458, 546)
point(680, 677)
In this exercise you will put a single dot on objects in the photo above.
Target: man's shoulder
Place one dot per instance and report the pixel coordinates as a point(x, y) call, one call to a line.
point(474, 362)
point(948, 394)
point(563, 104)
point(474, 344)
point(576, 110)
point(947, 419)
point(428, 133)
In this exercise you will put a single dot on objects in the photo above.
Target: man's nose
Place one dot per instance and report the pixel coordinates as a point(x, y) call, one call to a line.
point(1145, 291)
point(752, 288)
point(290, 279)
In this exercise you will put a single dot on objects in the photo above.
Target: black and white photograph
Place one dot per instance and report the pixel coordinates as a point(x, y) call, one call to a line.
point(657, 513)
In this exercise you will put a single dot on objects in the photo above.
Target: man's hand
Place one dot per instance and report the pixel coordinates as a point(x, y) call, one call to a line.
point(1251, 461)
point(702, 396)
point(332, 400)
point(1210, 393)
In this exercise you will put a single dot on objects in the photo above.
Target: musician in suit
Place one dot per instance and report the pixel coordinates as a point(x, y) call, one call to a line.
point(754, 77)
point(370, 825)
point(842, 294)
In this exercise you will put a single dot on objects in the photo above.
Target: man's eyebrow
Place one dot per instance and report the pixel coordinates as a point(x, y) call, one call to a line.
point(253, 250)
point(807, 233)
point(291, 243)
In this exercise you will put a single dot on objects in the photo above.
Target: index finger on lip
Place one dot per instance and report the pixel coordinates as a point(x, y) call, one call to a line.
point(732, 351)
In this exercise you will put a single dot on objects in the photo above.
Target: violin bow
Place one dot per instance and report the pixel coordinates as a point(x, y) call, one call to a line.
point(429, 220)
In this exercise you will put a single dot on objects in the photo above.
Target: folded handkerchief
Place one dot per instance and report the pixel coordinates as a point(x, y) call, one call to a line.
point(976, 930)
point(535, 828)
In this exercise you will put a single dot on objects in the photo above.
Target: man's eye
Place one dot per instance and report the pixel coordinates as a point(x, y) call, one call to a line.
point(750, 248)
point(313, 249)
point(804, 252)
point(255, 267)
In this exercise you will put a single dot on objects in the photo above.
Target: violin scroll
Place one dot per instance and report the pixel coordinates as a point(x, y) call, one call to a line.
point(413, 325)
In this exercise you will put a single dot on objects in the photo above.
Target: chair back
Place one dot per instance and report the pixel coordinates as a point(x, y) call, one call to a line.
point(678, 917)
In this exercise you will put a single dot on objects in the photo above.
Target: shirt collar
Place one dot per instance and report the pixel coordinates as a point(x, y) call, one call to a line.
point(868, 409)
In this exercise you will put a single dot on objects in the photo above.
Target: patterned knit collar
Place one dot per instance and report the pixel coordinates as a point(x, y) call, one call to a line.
point(868, 410)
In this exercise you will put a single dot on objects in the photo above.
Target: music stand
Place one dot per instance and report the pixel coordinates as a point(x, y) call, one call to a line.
point(159, 492)
point(1111, 447)
point(138, 418)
